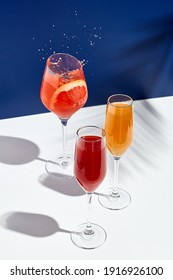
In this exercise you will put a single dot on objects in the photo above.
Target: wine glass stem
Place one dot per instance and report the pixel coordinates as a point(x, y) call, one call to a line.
point(64, 139)
point(116, 170)
point(89, 229)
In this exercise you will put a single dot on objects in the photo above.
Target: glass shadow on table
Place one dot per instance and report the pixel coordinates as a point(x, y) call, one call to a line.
point(66, 185)
point(16, 151)
point(37, 225)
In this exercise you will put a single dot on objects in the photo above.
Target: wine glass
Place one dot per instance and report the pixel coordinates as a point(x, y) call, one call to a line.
point(89, 170)
point(119, 134)
point(63, 91)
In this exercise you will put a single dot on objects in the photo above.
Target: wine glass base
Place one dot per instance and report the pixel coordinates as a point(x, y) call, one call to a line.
point(60, 168)
point(88, 241)
point(115, 203)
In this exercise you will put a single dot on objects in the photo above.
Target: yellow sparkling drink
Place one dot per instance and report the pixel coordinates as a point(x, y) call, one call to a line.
point(119, 127)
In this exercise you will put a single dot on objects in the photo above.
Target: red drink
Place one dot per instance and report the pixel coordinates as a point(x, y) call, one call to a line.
point(90, 162)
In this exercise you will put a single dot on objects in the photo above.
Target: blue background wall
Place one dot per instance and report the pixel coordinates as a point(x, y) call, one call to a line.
point(127, 47)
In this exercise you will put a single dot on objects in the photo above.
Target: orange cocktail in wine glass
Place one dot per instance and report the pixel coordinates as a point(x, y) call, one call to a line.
point(63, 91)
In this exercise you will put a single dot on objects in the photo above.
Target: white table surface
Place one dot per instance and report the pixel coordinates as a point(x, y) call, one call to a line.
point(37, 211)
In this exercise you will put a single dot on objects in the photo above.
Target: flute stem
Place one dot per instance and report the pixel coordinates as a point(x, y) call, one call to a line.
point(89, 229)
point(115, 192)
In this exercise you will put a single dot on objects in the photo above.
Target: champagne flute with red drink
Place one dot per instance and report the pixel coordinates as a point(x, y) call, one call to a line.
point(63, 92)
point(89, 170)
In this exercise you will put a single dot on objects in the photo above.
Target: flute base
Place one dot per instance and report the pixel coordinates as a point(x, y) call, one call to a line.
point(88, 240)
point(59, 167)
point(121, 201)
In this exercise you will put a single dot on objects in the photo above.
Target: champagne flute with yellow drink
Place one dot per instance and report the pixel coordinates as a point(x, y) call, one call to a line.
point(119, 135)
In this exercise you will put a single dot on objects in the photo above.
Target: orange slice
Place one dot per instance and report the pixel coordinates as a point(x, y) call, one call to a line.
point(76, 92)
